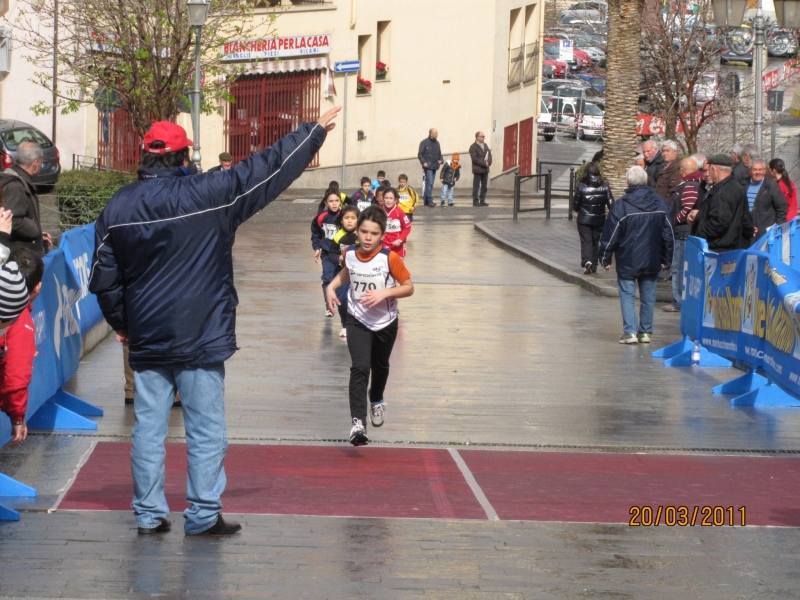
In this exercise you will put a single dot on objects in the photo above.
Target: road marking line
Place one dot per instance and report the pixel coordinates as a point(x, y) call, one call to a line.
point(78, 468)
point(473, 485)
point(305, 200)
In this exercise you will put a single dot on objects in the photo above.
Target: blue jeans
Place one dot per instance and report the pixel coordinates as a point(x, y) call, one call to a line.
point(447, 192)
point(202, 392)
point(677, 272)
point(427, 190)
point(647, 302)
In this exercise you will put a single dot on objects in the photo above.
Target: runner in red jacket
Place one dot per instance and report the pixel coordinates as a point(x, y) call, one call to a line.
point(398, 225)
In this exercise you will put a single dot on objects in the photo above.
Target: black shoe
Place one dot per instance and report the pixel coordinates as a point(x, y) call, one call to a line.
point(221, 528)
point(483, 204)
point(475, 203)
point(128, 400)
point(177, 404)
point(164, 527)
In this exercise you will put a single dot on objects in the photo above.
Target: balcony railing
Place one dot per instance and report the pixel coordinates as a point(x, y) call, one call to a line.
point(516, 57)
point(531, 70)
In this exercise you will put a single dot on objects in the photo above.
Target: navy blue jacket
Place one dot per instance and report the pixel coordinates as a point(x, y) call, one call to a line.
point(162, 267)
point(639, 232)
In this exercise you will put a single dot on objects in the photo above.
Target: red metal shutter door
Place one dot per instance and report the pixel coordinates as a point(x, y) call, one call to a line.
point(526, 146)
point(510, 146)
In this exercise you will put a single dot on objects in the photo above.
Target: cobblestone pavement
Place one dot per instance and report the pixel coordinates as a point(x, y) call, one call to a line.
point(492, 352)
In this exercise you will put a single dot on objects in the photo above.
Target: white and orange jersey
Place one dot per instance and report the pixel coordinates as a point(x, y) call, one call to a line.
point(382, 269)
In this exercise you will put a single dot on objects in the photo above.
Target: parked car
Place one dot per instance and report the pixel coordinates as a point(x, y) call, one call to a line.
point(543, 123)
point(587, 11)
point(737, 46)
point(577, 117)
point(13, 133)
point(708, 87)
point(594, 54)
point(548, 70)
point(591, 120)
point(559, 68)
point(580, 60)
point(598, 82)
point(582, 92)
point(549, 87)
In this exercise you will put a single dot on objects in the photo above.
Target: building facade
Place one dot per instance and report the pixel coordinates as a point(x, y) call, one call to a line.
point(457, 65)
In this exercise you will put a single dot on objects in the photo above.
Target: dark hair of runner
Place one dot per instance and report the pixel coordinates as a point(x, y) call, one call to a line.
point(381, 173)
point(330, 192)
point(374, 214)
point(776, 164)
point(365, 180)
point(333, 185)
point(346, 209)
point(30, 265)
point(164, 161)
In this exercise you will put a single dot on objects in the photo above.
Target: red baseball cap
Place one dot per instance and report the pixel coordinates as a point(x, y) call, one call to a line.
point(173, 136)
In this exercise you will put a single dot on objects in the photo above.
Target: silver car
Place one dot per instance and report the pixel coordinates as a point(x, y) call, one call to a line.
point(587, 11)
point(13, 133)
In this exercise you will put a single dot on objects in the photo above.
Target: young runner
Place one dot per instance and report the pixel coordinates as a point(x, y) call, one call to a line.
point(376, 183)
point(345, 236)
point(364, 198)
point(377, 278)
point(398, 225)
point(323, 228)
point(407, 197)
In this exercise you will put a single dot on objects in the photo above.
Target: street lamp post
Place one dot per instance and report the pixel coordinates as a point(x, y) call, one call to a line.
point(198, 13)
point(758, 26)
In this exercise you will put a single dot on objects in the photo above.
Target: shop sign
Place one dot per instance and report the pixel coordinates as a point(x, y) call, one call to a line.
point(277, 47)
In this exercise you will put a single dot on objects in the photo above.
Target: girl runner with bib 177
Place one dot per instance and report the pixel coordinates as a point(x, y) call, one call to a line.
point(377, 278)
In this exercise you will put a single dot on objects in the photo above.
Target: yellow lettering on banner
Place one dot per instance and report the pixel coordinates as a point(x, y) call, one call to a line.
point(728, 311)
point(780, 330)
point(776, 278)
point(728, 267)
point(761, 315)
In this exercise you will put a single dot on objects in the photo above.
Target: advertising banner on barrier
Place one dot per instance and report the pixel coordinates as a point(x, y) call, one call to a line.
point(78, 246)
point(58, 336)
point(751, 312)
point(693, 286)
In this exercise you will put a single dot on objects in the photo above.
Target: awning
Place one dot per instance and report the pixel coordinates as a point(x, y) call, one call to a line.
point(287, 66)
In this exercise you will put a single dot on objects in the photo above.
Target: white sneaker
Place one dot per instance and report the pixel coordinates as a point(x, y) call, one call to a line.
point(377, 413)
point(328, 312)
point(343, 333)
point(358, 436)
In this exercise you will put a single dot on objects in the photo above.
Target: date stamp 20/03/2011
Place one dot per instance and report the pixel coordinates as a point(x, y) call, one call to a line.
point(684, 516)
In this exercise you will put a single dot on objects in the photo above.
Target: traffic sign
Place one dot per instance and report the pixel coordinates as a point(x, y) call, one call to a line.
point(106, 100)
point(347, 66)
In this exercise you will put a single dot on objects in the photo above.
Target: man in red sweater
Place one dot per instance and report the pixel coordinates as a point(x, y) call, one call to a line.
point(19, 345)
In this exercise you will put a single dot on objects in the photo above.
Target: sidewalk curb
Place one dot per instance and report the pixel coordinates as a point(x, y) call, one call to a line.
point(549, 266)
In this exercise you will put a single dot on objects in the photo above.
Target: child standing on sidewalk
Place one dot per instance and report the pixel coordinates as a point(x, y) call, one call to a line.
point(323, 228)
point(345, 236)
point(398, 225)
point(407, 197)
point(451, 172)
point(377, 278)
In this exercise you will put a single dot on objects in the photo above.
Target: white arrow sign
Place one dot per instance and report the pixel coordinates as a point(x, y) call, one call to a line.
point(347, 66)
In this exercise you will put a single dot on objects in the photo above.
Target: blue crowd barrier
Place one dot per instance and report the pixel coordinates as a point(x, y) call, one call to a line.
point(744, 307)
point(62, 313)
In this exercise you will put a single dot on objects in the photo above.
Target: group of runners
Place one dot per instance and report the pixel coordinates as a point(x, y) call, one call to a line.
point(361, 243)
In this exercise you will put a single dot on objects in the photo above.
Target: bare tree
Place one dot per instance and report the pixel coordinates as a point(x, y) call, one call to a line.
point(141, 50)
point(680, 59)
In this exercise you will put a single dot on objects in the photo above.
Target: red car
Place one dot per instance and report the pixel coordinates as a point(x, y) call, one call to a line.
point(583, 58)
point(559, 68)
point(580, 59)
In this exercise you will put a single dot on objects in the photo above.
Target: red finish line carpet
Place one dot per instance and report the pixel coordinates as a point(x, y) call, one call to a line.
point(428, 483)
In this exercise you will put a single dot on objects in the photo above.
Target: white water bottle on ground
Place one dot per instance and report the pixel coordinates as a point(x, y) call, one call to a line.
point(696, 355)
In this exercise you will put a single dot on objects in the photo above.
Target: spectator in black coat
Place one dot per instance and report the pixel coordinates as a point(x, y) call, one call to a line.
point(653, 162)
point(723, 219)
point(769, 206)
point(591, 200)
point(481, 157)
point(430, 157)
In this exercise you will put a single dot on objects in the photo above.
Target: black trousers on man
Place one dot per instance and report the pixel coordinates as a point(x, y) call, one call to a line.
point(370, 352)
point(479, 181)
point(590, 244)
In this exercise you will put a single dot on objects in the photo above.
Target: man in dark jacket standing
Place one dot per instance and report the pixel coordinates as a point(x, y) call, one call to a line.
point(430, 157)
point(481, 157)
point(670, 177)
point(19, 196)
point(723, 219)
point(653, 162)
point(162, 272)
point(639, 234)
point(767, 204)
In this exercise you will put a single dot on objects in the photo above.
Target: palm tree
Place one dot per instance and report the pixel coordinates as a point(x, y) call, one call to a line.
point(622, 96)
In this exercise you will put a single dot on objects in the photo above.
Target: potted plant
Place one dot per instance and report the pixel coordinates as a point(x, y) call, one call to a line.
point(380, 70)
point(363, 87)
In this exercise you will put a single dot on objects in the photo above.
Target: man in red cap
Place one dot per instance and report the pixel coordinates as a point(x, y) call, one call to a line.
point(162, 272)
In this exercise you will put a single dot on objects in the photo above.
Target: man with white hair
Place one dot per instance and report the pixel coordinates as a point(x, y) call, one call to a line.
point(638, 233)
point(19, 196)
point(740, 171)
point(670, 177)
point(742, 174)
point(653, 162)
